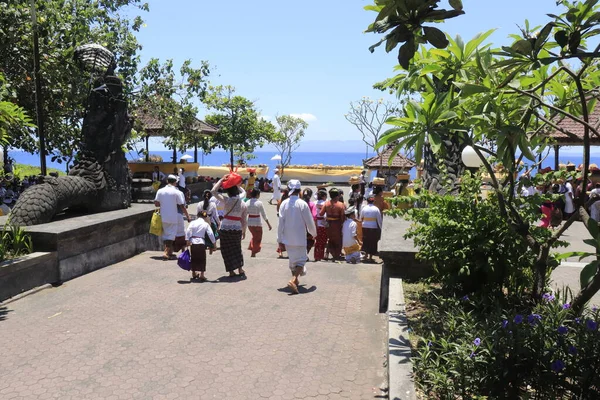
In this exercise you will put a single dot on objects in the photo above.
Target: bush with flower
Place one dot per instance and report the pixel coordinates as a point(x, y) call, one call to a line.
point(504, 349)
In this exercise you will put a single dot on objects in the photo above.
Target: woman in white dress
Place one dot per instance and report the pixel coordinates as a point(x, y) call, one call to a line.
point(256, 213)
point(233, 225)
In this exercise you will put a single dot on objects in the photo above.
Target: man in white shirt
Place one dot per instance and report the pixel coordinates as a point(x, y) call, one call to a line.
point(295, 219)
point(157, 175)
point(350, 240)
point(170, 200)
point(569, 203)
point(372, 223)
point(276, 187)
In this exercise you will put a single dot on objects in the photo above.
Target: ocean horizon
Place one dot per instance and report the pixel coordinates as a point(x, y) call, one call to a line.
point(219, 158)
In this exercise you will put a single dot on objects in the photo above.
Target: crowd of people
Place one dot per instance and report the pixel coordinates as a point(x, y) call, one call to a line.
point(554, 212)
point(321, 221)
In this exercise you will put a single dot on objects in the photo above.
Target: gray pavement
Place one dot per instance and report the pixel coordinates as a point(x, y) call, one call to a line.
point(140, 330)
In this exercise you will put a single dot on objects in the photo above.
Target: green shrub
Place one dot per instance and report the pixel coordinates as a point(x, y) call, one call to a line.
point(14, 242)
point(469, 244)
point(504, 349)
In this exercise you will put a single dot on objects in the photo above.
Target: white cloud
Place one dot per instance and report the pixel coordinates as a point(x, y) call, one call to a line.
point(305, 116)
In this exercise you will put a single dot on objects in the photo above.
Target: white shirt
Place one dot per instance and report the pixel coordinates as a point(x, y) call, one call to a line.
point(569, 206)
point(295, 219)
point(181, 180)
point(372, 215)
point(196, 231)
point(234, 207)
point(157, 176)
point(169, 197)
point(321, 221)
point(211, 210)
point(255, 211)
point(276, 189)
point(349, 233)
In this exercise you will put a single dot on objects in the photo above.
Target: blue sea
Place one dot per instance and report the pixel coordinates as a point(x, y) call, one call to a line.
point(298, 158)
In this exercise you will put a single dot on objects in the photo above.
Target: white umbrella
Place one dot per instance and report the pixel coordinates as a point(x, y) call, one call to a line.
point(186, 157)
point(276, 157)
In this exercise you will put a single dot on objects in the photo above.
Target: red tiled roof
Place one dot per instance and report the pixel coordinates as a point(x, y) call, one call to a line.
point(576, 129)
point(382, 160)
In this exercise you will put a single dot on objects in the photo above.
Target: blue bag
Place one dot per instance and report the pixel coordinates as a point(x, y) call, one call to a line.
point(184, 260)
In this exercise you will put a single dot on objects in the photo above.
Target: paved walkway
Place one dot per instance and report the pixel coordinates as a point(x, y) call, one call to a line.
point(140, 330)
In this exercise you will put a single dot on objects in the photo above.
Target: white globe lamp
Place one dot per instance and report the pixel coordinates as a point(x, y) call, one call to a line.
point(470, 158)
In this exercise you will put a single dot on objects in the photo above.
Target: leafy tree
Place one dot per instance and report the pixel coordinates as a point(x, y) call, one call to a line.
point(512, 96)
point(63, 26)
point(290, 131)
point(12, 117)
point(240, 128)
point(171, 97)
point(406, 19)
point(369, 116)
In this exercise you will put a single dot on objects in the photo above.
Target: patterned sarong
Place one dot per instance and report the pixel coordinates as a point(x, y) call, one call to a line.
point(257, 234)
point(231, 249)
point(371, 237)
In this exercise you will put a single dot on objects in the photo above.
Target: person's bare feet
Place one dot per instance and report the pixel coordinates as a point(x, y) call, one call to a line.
point(293, 287)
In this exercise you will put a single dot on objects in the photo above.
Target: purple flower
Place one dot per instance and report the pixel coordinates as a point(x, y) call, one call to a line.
point(465, 298)
point(518, 319)
point(566, 306)
point(572, 350)
point(548, 297)
point(591, 325)
point(578, 320)
point(472, 354)
point(429, 344)
point(563, 330)
point(594, 309)
point(534, 319)
point(557, 365)
point(504, 324)
point(477, 341)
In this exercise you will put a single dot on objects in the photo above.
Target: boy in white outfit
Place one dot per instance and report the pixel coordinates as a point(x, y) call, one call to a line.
point(350, 240)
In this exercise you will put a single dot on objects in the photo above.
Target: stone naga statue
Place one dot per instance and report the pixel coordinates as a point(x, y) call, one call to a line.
point(100, 179)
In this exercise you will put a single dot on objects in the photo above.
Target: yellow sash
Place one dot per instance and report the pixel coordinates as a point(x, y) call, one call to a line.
point(352, 249)
point(369, 219)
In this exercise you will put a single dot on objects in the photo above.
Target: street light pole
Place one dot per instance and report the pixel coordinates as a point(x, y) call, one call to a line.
point(38, 89)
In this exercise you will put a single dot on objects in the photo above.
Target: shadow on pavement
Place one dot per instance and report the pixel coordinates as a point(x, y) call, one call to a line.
point(3, 313)
point(301, 290)
point(160, 258)
point(222, 279)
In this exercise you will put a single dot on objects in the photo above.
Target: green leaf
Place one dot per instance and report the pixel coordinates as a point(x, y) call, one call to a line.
point(431, 68)
point(435, 141)
point(406, 53)
point(469, 89)
point(588, 273)
point(436, 37)
point(522, 47)
point(543, 36)
point(474, 43)
point(446, 115)
point(562, 38)
point(456, 4)
point(592, 227)
point(580, 254)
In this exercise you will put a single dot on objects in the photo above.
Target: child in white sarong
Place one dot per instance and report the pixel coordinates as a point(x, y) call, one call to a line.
point(350, 240)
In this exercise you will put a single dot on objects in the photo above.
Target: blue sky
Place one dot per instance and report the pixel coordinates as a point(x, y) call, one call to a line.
point(308, 57)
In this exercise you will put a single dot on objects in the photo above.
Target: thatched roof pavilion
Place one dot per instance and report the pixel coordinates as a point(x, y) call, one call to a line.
point(153, 126)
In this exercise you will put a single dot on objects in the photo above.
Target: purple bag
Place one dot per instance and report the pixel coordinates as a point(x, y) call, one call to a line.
point(184, 260)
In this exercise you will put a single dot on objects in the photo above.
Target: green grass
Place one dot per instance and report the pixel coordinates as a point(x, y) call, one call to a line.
point(22, 170)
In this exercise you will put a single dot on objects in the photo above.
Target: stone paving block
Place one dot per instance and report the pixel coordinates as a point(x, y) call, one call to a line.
point(139, 329)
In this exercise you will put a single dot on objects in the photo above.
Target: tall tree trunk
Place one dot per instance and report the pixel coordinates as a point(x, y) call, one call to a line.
point(450, 157)
point(5, 154)
point(231, 158)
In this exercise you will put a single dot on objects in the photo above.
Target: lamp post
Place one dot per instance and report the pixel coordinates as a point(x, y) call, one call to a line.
point(470, 159)
point(38, 89)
